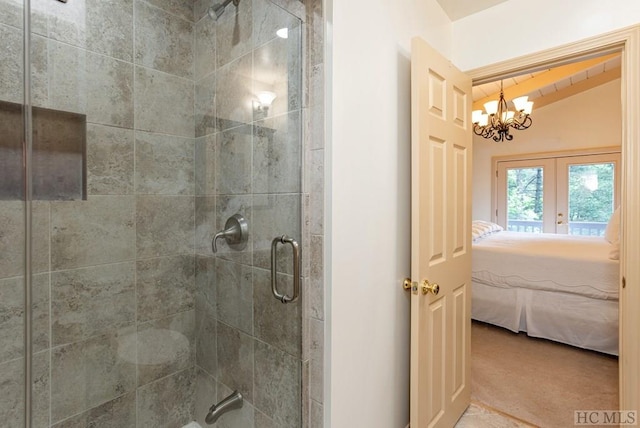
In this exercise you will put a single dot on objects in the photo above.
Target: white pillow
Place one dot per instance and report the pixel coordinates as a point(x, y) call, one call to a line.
point(614, 252)
point(612, 232)
point(481, 228)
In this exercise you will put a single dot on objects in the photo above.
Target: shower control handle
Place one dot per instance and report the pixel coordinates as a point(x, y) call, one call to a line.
point(284, 298)
point(235, 233)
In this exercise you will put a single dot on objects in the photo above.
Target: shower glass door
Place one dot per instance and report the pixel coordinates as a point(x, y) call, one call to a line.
point(152, 122)
point(249, 162)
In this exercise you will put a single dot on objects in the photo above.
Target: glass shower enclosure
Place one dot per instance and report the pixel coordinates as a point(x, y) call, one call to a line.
point(130, 132)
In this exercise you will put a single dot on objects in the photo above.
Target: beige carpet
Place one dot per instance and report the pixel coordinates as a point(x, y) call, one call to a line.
point(539, 381)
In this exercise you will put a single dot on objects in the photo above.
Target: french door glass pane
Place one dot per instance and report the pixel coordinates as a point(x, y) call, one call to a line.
point(525, 199)
point(591, 198)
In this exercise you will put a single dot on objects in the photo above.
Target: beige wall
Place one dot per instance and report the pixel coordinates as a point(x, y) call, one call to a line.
point(587, 120)
point(368, 217)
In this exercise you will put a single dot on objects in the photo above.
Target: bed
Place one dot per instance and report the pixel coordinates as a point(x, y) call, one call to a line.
point(558, 287)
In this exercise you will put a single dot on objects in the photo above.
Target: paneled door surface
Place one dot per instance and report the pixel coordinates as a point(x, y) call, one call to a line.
point(441, 239)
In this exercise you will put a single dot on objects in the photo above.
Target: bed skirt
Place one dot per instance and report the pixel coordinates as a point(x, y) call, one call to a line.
point(573, 319)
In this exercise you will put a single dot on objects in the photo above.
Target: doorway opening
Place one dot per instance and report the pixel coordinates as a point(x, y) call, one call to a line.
point(569, 94)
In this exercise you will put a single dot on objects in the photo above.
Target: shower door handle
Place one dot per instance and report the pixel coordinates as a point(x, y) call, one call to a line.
point(284, 298)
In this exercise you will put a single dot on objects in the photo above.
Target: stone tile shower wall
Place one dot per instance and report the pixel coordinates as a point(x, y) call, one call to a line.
point(114, 275)
point(136, 322)
point(314, 192)
point(133, 316)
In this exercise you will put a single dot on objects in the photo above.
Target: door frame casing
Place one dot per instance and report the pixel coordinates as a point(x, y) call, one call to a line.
point(626, 41)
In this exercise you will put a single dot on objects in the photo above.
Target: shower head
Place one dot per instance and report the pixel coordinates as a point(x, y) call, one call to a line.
point(217, 9)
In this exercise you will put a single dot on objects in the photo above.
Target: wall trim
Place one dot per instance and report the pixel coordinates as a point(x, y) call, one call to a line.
point(556, 154)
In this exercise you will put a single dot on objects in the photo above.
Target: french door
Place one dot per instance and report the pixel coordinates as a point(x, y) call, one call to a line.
point(565, 194)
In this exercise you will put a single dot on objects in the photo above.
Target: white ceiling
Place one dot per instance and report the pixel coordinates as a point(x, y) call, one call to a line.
point(457, 9)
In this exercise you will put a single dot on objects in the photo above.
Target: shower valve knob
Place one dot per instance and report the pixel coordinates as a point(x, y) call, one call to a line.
point(235, 233)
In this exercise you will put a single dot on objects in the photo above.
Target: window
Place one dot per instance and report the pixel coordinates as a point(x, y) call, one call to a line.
point(565, 194)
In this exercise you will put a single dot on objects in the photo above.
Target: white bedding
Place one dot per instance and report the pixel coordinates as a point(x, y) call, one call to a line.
point(570, 264)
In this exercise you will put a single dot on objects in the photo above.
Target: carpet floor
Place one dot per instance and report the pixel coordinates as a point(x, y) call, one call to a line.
point(539, 381)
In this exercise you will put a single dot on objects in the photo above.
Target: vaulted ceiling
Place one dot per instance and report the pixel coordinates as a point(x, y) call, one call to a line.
point(548, 86)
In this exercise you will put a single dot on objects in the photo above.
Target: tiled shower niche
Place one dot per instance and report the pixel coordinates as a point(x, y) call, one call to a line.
point(59, 154)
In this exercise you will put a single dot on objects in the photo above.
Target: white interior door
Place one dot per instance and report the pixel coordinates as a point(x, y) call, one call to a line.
point(441, 239)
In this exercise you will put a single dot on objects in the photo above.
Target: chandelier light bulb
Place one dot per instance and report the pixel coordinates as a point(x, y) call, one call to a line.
point(528, 108)
point(520, 103)
point(491, 107)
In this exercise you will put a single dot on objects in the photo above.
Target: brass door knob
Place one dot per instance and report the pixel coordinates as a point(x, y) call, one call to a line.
point(428, 287)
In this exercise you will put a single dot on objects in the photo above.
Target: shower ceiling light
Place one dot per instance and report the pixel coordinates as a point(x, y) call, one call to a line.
point(283, 33)
point(497, 120)
point(265, 99)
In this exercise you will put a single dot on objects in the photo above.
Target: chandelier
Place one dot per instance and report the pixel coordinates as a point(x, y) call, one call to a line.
point(497, 120)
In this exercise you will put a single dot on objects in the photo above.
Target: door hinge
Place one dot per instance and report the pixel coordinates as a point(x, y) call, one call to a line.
point(624, 282)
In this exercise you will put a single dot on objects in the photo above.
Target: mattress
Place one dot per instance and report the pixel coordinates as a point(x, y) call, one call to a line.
point(563, 263)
